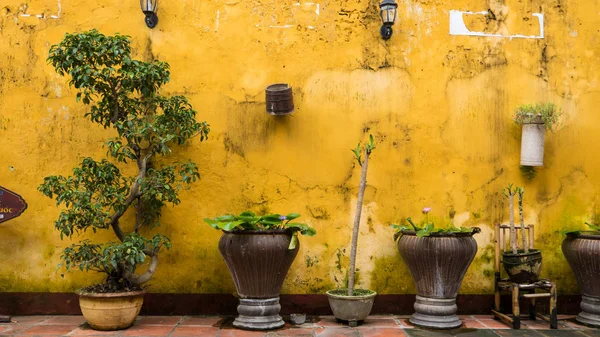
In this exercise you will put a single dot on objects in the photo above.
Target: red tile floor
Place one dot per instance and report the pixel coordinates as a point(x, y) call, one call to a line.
point(323, 326)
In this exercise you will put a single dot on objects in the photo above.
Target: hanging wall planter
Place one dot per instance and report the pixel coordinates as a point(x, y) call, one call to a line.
point(535, 120)
point(532, 142)
point(280, 99)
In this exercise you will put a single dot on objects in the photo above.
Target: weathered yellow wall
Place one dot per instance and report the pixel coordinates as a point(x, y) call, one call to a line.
point(439, 106)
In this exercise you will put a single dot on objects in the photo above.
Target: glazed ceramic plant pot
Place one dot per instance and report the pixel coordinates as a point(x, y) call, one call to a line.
point(437, 264)
point(111, 311)
point(258, 262)
point(523, 267)
point(532, 143)
point(352, 309)
point(582, 251)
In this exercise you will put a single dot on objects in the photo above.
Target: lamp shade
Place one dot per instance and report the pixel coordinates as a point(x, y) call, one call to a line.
point(149, 6)
point(388, 11)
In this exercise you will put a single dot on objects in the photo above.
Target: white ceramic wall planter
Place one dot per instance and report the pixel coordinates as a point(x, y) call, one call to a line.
point(532, 144)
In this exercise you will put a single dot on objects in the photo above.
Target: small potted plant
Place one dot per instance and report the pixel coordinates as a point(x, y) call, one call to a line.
point(437, 259)
point(535, 120)
point(350, 304)
point(259, 251)
point(523, 265)
point(122, 94)
point(582, 251)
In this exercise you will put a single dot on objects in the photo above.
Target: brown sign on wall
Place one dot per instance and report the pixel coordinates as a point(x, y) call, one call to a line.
point(11, 205)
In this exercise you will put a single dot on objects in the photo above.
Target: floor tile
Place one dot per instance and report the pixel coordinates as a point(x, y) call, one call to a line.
point(203, 321)
point(472, 324)
point(204, 331)
point(536, 325)
point(298, 332)
point(382, 332)
point(494, 324)
point(158, 320)
point(86, 330)
point(240, 333)
point(381, 322)
point(562, 333)
point(591, 333)
point(330, 321)
point(49, 330)
point(65, 320)
point(335, 332)
point(148, 330)
point(30, 319)
point(518, 333)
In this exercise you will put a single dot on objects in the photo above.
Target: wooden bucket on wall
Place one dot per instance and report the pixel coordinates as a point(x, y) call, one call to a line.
point(280, 99)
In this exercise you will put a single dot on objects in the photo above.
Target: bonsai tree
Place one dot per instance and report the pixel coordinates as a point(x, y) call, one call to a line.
point(510, 193)
point(122, 94)
point(522, 265)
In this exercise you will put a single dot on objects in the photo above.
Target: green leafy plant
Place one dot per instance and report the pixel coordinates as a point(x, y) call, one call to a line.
point(122, 94)
point(593, 227)
point(250, 221)
point(547, 113)
point(369, 147)
point(427, 227)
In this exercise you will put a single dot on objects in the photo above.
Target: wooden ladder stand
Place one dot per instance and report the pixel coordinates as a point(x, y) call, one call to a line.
point(520, 291)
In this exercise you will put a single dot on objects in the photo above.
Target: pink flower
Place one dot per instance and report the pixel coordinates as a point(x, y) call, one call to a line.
point(426, 210)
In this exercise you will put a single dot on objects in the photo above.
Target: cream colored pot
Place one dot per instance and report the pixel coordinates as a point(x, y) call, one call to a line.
point(111, 311)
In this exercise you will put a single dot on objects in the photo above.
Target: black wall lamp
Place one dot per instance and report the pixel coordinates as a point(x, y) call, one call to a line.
point(387, 10)
point(149, 8)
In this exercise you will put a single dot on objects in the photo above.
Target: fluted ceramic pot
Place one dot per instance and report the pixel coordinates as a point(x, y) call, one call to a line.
point(582, 251)
point(437, 264)
point(258, 262)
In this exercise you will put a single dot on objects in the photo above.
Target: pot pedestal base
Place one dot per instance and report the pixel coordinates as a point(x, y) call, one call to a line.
point(590, 311)
point(259, 314)
point(435, 313)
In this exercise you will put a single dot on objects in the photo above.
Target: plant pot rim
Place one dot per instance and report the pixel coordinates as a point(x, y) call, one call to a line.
point(520, 252)
point(259, 231)
point(352, 298)
point(443, 234)
point(594, 235)
point(80, 292)
point(278, 87)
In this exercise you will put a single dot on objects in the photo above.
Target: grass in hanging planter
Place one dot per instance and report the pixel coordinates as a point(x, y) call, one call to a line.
point(547, 113)
point(355, 292)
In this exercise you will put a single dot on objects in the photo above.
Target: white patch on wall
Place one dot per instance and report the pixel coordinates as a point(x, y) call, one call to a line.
point(458, 26)
point(43, 15)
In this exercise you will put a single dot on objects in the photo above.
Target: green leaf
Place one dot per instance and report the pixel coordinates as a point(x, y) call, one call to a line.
point(292, 216)
point(293, 242)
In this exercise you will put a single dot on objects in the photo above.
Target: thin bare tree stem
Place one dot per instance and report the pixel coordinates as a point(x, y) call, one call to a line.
point(513, 231)
point(361, 193)
point(523, 232)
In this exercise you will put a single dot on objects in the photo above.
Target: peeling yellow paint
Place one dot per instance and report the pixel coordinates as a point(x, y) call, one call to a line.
point(439, 107)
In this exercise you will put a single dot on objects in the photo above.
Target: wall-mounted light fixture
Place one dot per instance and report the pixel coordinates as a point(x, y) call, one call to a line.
point(149, 8)
point(387, 10)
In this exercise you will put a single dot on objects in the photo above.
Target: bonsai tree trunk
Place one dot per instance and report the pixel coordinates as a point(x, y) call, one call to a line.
point(361, 193)
point(513, 231)
point(523, 232)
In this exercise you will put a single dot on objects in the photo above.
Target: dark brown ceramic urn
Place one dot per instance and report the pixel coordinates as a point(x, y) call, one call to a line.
point(437, 264)
point(582, 251)
point(258, 262)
